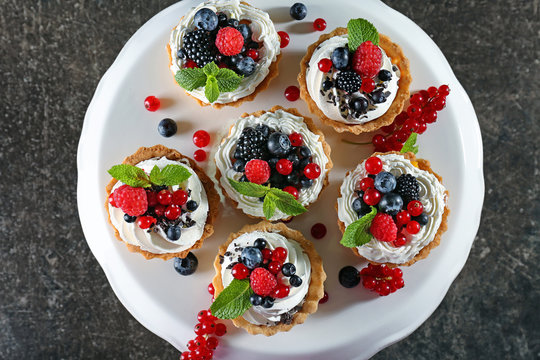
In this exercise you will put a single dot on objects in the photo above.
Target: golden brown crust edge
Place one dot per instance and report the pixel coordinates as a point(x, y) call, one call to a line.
point(144, 153)
point(424, 252)
point(316, 285)
point(395, 53)
point(311, 126)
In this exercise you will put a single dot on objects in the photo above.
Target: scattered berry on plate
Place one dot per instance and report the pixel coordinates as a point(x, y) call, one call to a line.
point(382, 279)
point(349, 277)
point(298, 11)
point(199, 155)
point(187, 265)
point(324, 299)
point(201, 138)
point(292, 93)
point(152, 103)
point(319, 24)
point(318, 231)
point(167, 127)
point(284, 37)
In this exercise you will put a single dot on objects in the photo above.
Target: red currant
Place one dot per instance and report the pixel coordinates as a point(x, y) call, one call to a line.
point(366, 183)
point(415, 207)
point(152, 103)
point(398, 283)
point(324, 299)
point(253, 53)
point(221, 329)
point(211, 289)
point(199, 155)
point(389, 129)
point(425, 95)
point(422, 127)
point(164, 197)
point(430, 117)
point(159, 210)
point(397, 273)
point(432, 91)
point(279, 254)
point(325, 65)
point(413, 227)
point(201, 138)
point(444, 90)
point(319, 24)
point(372, 197)
point(402, 218)
point(401, 118)
point(284, 39)
point(222, 65)
point(151, 197)
point(383, 289)
point(208, 327)
point(291, 190)
point(199, 331)
point(373, 165)
point(113, 204)
point(145, 222)
point(202, 315)
point(414, 111)
point(173, 212)
point(212, 343)
point(281, 292)
point(292, 93)
point(368, 85)
point(312, 171)
point(180, 197)
point(438, 103)
point(410, 125)
point(318, 231)
point(191, 345)
point(266, 253)
point(296, 139)
point(274, 267)
point(190, 64)
point(240, 271)
point(369, 282)
point(401, 240)
point(379, 142)
point(403, 134)
point(186, 355)
point(284, 166)
point(417, 99)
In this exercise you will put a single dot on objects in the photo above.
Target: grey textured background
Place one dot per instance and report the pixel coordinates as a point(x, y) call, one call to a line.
point(54, 299)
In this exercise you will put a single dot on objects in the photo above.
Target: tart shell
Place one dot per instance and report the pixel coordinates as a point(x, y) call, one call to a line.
point(145, 153)
point(316, 285)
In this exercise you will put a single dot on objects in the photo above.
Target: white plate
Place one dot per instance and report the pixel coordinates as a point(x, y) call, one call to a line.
point(355, 323)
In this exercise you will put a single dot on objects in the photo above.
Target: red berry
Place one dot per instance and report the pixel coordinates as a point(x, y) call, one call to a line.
point(191, 345)
point(401, 240)
point(390, 128)
point(383, 289)
point(262, 281)
point(284, 37)
point(397, 273)
point(401, 118)
point(151, 197)
point(296, 139)
point(325, 65)
point(368, 85)
point(319, 24)
point(383, 228)
point(211, 289)
point(438, 103)
point(222, 65)
point(318, 231)
point(151, 103)
point(266, 253)
point(422, 127)
point(201, 138)
point(190, 64)
point(279, 254)
point(292, 93)
point(229, 41)
point(425, 95)
point(369, 282)
point(414, 111)
point(430, 117)
point(402, 218)
point(145, 222)
point(282, 291)
point(159, 210)
point(373, 165)
point(367, 60)
point(199, 155)
point(372, 196)
point(410, 125)
point(199, 331)
point(415, 207)
point(444, 90)
point(164, 197)
point(253, 53)
point(398, 283)
point(212, 343)
point(291, 190)
point(200, 341)
point(324, 298)
point(111, 200)
point(274, 267)
point(221, 329)
point(208, 327)
point(185, 355)
point(132, 201)
point(366, 183)
point(180, 197)
point(202, 316)
point(240, 271)
point(432, 91)
point(417, 99)
point(257, 171)
point(379, 142)
point(403, 134)
point(312, 171)
point(413, 227)
point(284, 166)
point(173, 212)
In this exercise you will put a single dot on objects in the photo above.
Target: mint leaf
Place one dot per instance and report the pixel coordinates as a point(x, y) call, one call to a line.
point(410, 144)
point(155, 175)
point(211, 90)
point(269, 206)
point(360, 30)
point(174, 175)
point(357, 233)
point(285, 202)
point(233, 301)
point(211, 69)
point(190, 79)
point(228, 80)
point(249, 189)
point(130, 175)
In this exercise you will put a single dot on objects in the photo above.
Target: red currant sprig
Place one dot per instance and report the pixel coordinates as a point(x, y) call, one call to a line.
point(203, 345)
point(382, 279)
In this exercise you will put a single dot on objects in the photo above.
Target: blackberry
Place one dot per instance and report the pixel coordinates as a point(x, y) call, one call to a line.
point(407, 187)
point(251, 145)
point(199, 47)
point(348, 81)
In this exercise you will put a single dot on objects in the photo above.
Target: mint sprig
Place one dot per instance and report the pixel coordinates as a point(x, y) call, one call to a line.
point(357, 233)
point(233, 301)
point(136, 177)
point(214, 80)
point(359, 31)
point(273, 198)
point(410, 144)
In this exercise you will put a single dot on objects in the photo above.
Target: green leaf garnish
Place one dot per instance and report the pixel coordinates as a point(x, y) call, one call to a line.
point(357, 233)
point(233, 301)
point(211, 90)
point(136, 177)
point(173, 175)
point(285, 202)
point(269, 207)
point(190, 79)
point(130, 175)
point(228, 80)
point(359, 31)
point(410, 144)
point(249, 189)
point(210, 69)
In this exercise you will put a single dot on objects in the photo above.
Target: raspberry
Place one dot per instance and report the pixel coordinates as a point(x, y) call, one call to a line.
point(262, 281)
point(229, 41)
point(257, 171)
point(383, 228)
point(367, 60)
point(131, 200)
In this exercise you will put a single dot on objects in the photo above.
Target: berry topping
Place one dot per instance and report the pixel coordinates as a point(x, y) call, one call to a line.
point(201, 138)
point(368, 85)
point(246, 66)
point(422, 219)
point(174, 233)
point(211, 289)
point(281, 292)
point(383, 228)
point(366, 183)
point(267, 302)
point(164, 197)
point(312, 171)
point(279, 254)
point(190, 64)
point(298, 11)
point(251, 257)
point(257, 171)
point(444, 90)
point(240, 271)
point(146, 222)
point(198, 48)
point(159, 210)
point(206, 19)
point(192, 205)
point(251, 145)
point(187, 265)
point(284, 37)
point(319, 24)
point(413, 227)
point(371, 197)
point(179, 197)
point(167, 127)
point(296, 139)
point(348, 81)
point(173, 212)
point(284, 166)
point(259, 243)
point(359, 104)
point(367, 60)
point(274, 267)
point(349, 277)
point(382, 279)
point(199, 155)
point(292, 93)
point(152, 103)
point(130, 200)
point(221, 329)
point(391, 203)
point(402, 218)
point(360, 207)
point(415, 208)
point(291, 190)
point(373, 165)
point(288, 269)
point(279, 144)
point(318, 231)
point(255, 299)
point(385, 182)
point(111, 200)
point(295, 281)
point(384, 75)
point(129, 219)
point(262, 281)
point(408, 188)
point(266, 254)
point(401, 240)
point(340, 58)
point(229, 41)
point(245, 31)
point(325, 65)
point(253, 53)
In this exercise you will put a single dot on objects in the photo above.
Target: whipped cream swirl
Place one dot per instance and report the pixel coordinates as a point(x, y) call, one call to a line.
point(432, 195)
point(295, 254)
point(263, 32)
point(157, 242)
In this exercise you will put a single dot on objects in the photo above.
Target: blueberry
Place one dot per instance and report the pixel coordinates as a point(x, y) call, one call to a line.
point(255, 299)
point(181, 54)
point(251, 257)
point(234, 60)
point(294, 159)
point(304, 151)
point(246, 66)
point(305, 182)
point(173, 233)
point(288, 269)
point(245, 31)
point(349, 277)
point(295, 281)
point(359, 104)
point(237, 154)
point(267, 302)
point(327, 85)
point(192, 205)
point(298, 11)
point(303, 163)
point(253, 45)
point(293, 178)
point(239, 165)
point(260, 243)
point(187, 265)
point(385, 75)
point(272, 162)
point(378, 96)
point(206, 19)
point(167, 127)
point(360, 193)
point(277, 180)
point(129, 219)
point(244, 179)
point(360, 207)
point(222, 19)
point(233, 23)
point(422, 219)
point(340, 58)
point(385, 182)
point(279, 144)
point(264, 129)
point(391, 203)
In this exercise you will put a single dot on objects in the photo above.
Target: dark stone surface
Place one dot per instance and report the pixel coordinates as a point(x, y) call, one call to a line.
point(55, 301)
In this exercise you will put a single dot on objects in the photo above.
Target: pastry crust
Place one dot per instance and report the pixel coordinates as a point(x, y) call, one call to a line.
point(145, 153)
point(311, 126)
point(394, 52)
point(424, 252)
point(316, 284)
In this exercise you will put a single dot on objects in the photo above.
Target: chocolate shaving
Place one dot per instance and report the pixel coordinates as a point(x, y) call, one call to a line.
point(221, 259)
